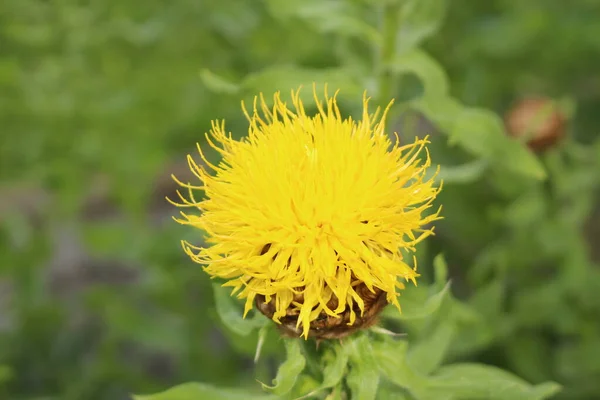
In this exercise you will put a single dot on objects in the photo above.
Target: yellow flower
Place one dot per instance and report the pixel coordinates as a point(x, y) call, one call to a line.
point(306, 208)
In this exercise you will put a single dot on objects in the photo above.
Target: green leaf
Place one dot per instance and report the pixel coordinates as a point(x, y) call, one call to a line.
point(389, 393)
point(335, 360)
point(196, 391)
point(441, 110)
point(217, 83)
point(335, 394)
point(230, 312)
point(416, 304)
point(482, 133)
point(488, 299)
point(363, 377)
point(420, 19)
point(478, 131)
point(465, 173)
point(426, 68)
point(392, 362)
point(427, 354)
point(6, 374)
point(440, 268)
point(327, 16)
point(529, 209)
point(478, 381)
point(531, 357)
point(290, 369)
point(262, 335)
point(335, 366)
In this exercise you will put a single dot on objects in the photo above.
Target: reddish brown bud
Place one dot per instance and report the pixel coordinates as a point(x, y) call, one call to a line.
point(538, 121)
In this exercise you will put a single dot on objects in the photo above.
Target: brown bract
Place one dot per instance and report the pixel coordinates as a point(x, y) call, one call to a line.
point(539, 120)
point(326, 326)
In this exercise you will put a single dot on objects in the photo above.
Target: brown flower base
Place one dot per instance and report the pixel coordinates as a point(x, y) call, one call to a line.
point(326, 326)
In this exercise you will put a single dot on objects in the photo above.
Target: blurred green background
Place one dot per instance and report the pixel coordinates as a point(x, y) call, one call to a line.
point(100, 101)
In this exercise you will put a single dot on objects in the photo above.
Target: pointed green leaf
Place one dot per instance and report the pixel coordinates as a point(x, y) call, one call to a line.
point(419, 20)
point(416, 305)
point(427, 354)
point(464, 173)
point(6, 374)
point(488, 299)
point(336, 362)
point(470, 380)
point(230, 312)
point(363, 376)
point(427, 70)
point(196, 391)
point(217, 83)
point(482, 133)
point(391, 393)
point(327, 16)
point(440, 268)
point(290, 369)
point(441, 110)
point(262, 335)
point(392, 362)
point(531, 357)
point(335, 394)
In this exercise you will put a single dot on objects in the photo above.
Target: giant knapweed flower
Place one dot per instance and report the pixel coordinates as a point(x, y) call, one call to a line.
point(308, 217)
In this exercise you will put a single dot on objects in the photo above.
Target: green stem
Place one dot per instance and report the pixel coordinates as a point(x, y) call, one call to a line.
point(390, 25)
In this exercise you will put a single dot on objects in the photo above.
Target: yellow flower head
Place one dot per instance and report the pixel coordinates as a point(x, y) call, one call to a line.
point(308, 207)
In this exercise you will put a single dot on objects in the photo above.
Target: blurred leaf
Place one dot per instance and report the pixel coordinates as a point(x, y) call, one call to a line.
point(197, 391)
point(461, 174)
point(441, 110)
point(363, 376)
point(416, 304)
point(6, 374)
point(528, 209)
point(389, 393)
point(460, 381)
point(327, 16)
point(391, 358)
point(335, 394)
point(290, 369)
point(440, 268)
point(419, 20)
point(474, 332)
point(488, 299)
point(530, 357)
point(481, 133)
point(336, 361)
point(262, 335)
point(305, 383)
point(427, 353)
point(231, 314)
point(288, 78)
point(428, 70)
point(335, 367)
point(217, 83)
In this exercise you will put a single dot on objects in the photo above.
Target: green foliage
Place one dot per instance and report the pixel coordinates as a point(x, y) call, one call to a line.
point(231, 314)
point(194, 391)
point(290, 369)
point(98, 100)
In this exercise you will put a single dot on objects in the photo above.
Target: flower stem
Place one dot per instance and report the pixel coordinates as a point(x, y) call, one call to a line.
point(387, 81)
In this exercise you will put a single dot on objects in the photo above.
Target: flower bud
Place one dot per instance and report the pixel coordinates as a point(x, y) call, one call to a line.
point(537, 121)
